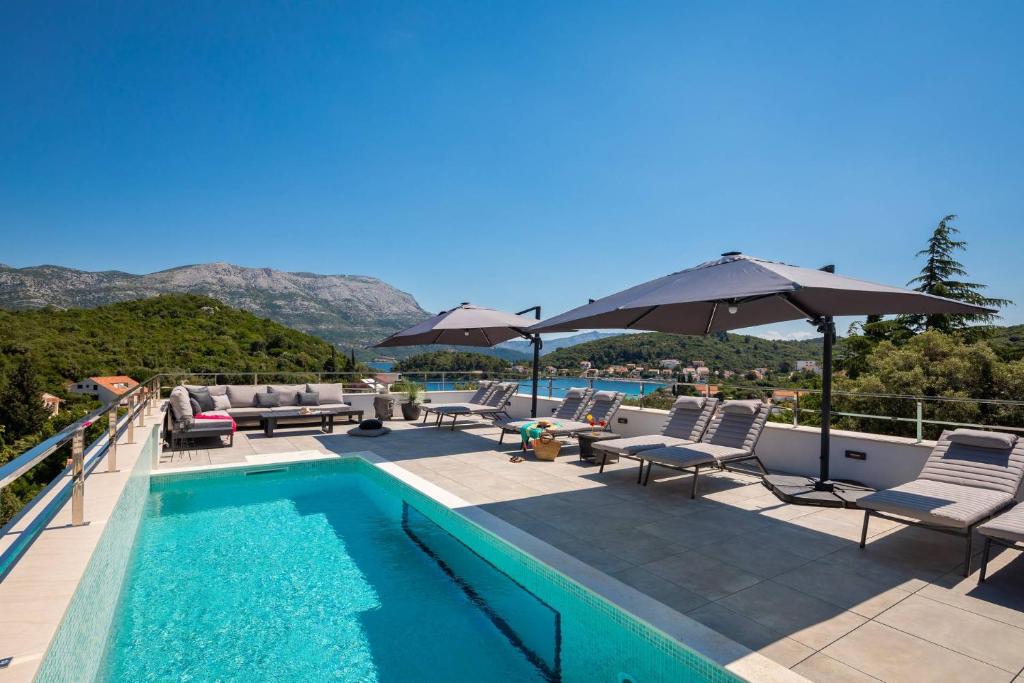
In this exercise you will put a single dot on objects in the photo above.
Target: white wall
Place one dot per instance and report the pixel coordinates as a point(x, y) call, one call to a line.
point(890, 460)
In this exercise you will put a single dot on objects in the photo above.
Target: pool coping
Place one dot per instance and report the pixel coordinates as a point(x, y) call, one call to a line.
point(725, 652)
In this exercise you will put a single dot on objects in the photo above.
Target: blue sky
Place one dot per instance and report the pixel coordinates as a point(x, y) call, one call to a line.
point(512, 153)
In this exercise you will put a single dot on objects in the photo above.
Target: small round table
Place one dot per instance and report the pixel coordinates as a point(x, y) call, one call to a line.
point(587, 441)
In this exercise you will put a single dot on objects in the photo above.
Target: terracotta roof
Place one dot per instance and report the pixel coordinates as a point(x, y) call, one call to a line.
point(110, 383)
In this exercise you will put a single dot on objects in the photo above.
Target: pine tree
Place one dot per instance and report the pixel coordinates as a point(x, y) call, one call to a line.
point(21, 401)
point(939, 276)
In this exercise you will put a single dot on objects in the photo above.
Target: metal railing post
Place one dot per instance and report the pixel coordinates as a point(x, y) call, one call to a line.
point(148, 397)
point(920, 421)
point(551, 386)
point(255, 377)
point(129, 436)
point(78, 477)
point(642, 387)
point(796, 410)
point(140, 408)
point(444, 387)
point(112, 439)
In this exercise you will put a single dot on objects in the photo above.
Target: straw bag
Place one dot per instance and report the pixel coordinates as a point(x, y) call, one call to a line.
point(546, 447)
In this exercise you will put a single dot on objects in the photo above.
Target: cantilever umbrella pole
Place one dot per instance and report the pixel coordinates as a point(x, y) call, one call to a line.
point(537, 344)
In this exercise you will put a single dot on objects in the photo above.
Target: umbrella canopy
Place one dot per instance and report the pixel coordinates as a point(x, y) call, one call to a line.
point(738, 291)
point(465, 325)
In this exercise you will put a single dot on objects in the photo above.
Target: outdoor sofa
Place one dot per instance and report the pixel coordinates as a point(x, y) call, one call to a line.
point(686, 422)
point(244, 403)
point(571, 409)
point(970, 475)
point(731, 438)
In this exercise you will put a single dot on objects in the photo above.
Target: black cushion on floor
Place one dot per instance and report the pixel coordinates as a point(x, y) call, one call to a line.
point(370, 424)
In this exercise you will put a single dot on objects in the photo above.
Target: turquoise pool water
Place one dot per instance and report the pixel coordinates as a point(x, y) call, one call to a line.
point(337, 572)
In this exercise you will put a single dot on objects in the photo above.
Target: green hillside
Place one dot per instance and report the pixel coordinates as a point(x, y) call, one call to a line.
point(180, 332)
point(1008, 342)
point(736, 352)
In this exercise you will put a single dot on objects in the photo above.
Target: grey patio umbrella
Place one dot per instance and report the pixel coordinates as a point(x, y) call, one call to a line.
point(738, 291)
point(469, 325)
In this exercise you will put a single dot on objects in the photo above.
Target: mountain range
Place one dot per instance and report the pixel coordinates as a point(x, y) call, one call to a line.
point(347, 310)
point(552, 345)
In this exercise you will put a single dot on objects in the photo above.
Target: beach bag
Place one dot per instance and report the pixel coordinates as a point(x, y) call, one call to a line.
point(546, 447)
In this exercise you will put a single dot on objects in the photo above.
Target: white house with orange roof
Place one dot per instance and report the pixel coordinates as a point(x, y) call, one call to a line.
point(104, 388)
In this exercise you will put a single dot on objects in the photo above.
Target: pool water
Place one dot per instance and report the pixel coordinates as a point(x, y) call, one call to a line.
point(329, 574)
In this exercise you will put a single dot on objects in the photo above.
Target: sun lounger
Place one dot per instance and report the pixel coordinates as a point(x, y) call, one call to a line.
point(570, 409)
point(686, 422)
point(483, 391)
point(730, 438)
point(1006, 529)
point(969, 476)
point(495, 404)
point(603, 405)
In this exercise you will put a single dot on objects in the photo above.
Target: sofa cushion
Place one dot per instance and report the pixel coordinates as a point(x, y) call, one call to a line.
point(268, 400)
point(246, 412)
point(242, 395)
point(330, 394)
point(201, 395)
point(194, 405)
point(181, 406)
point(604, 396)
point(288, 392)
point(309, 398)
point(214, 389)
point(221, 402)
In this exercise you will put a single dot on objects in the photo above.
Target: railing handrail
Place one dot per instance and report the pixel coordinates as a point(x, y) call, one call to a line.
point(35, 455)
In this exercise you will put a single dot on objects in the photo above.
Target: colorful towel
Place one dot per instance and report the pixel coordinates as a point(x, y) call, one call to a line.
point(205, 416)
point(531, 430)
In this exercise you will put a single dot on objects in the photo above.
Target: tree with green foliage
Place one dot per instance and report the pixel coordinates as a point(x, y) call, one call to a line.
point(452, 361)
point(932, 364)
point(21, 401)
point(942, 276)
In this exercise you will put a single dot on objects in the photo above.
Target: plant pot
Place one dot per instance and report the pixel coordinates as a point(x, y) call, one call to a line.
point(411, 411)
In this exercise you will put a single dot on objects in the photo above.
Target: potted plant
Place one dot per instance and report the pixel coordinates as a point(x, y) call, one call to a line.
point(410, 408)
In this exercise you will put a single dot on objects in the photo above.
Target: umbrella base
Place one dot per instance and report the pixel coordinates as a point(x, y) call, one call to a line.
point(808, 491)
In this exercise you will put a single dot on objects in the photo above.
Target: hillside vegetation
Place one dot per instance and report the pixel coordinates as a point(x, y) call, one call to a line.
point(170, 332)
point(452, 361)
point(736, 352)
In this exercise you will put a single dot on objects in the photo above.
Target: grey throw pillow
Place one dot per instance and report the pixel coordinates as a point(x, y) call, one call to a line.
point(309, 398)
point(202, 397)
point(268, 400)
point(196, 408)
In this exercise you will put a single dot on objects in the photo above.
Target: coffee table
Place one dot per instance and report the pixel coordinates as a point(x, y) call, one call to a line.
point(268, 420)
point(587, 441)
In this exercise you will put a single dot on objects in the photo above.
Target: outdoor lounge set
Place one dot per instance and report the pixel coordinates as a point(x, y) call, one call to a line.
point(214, 411)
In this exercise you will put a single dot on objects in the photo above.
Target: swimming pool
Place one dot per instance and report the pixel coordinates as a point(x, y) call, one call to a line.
point(334, 570)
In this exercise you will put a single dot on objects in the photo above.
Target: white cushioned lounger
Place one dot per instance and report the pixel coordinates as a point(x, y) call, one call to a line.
point(969, 476)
